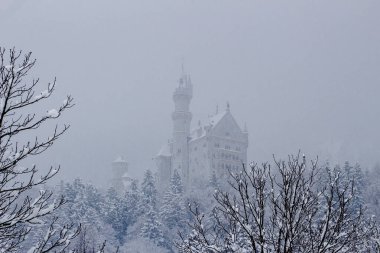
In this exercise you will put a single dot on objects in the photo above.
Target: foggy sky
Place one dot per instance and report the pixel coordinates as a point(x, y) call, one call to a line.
point(301, 74)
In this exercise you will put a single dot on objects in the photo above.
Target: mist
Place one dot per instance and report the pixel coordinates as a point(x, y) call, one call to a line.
point(301, 75)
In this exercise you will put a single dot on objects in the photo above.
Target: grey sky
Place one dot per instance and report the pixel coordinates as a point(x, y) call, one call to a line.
point(302, 74)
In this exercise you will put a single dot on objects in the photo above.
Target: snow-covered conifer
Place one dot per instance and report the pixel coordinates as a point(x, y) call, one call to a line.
point(148, 192)
point(176, 185)
point(152, 227)
point(173, 208)
point(132, 199)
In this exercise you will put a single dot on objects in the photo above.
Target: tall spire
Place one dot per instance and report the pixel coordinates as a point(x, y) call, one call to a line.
point(181, 125)
point(184, 80)
point(183, 66)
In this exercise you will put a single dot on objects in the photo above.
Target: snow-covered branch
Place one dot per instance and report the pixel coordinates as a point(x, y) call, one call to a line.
point(295, 208)
point(19, 211)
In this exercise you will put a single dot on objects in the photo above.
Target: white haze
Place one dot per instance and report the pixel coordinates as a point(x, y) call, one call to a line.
point(301, 74)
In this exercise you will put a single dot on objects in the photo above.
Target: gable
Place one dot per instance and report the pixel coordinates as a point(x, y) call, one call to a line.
point(227, 128)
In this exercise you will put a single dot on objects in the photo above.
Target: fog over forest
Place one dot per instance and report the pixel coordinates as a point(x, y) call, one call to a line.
point(189, 126)
point(300, 74)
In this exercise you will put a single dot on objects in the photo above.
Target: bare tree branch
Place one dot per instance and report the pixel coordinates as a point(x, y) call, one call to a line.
point(286, 211)
point(18, 210)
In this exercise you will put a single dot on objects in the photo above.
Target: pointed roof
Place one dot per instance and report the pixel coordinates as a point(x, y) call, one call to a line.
point(214, 120)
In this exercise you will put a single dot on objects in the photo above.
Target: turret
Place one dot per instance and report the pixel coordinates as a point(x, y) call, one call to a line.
point(119, 171)
point(181, 126)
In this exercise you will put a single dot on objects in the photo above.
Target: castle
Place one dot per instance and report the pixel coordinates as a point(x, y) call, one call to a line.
point(216, 147)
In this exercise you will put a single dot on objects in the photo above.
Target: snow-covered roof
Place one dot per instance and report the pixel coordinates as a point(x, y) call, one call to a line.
point(120, 159)
point(165, 150)
point(197, 133)
point(214, 120)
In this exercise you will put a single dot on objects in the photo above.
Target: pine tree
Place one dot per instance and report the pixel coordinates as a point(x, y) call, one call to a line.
point(173, 211)
point(72, 190)
point(85, 210)
point(73, 193)
point(152, 227)
point(116, 213)
point(149, 192)
point(176, 185)
point(356, 176)
point(360, 187)
point(85, 206)
point(93, 196)
point(132, 199)
point(373, 190)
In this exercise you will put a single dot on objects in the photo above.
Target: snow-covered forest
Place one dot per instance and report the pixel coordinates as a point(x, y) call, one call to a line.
point(237, 126)
point(292, 205)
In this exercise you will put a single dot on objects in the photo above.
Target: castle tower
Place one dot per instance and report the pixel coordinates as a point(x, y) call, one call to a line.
point(181, 126)
point(119, 171)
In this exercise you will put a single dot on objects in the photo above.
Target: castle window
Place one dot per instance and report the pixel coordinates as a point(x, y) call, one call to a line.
point(195, 148)
point(179, 150)
point(204, 145)
point(227, 134)
point(217, 145)
point(227, 147)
